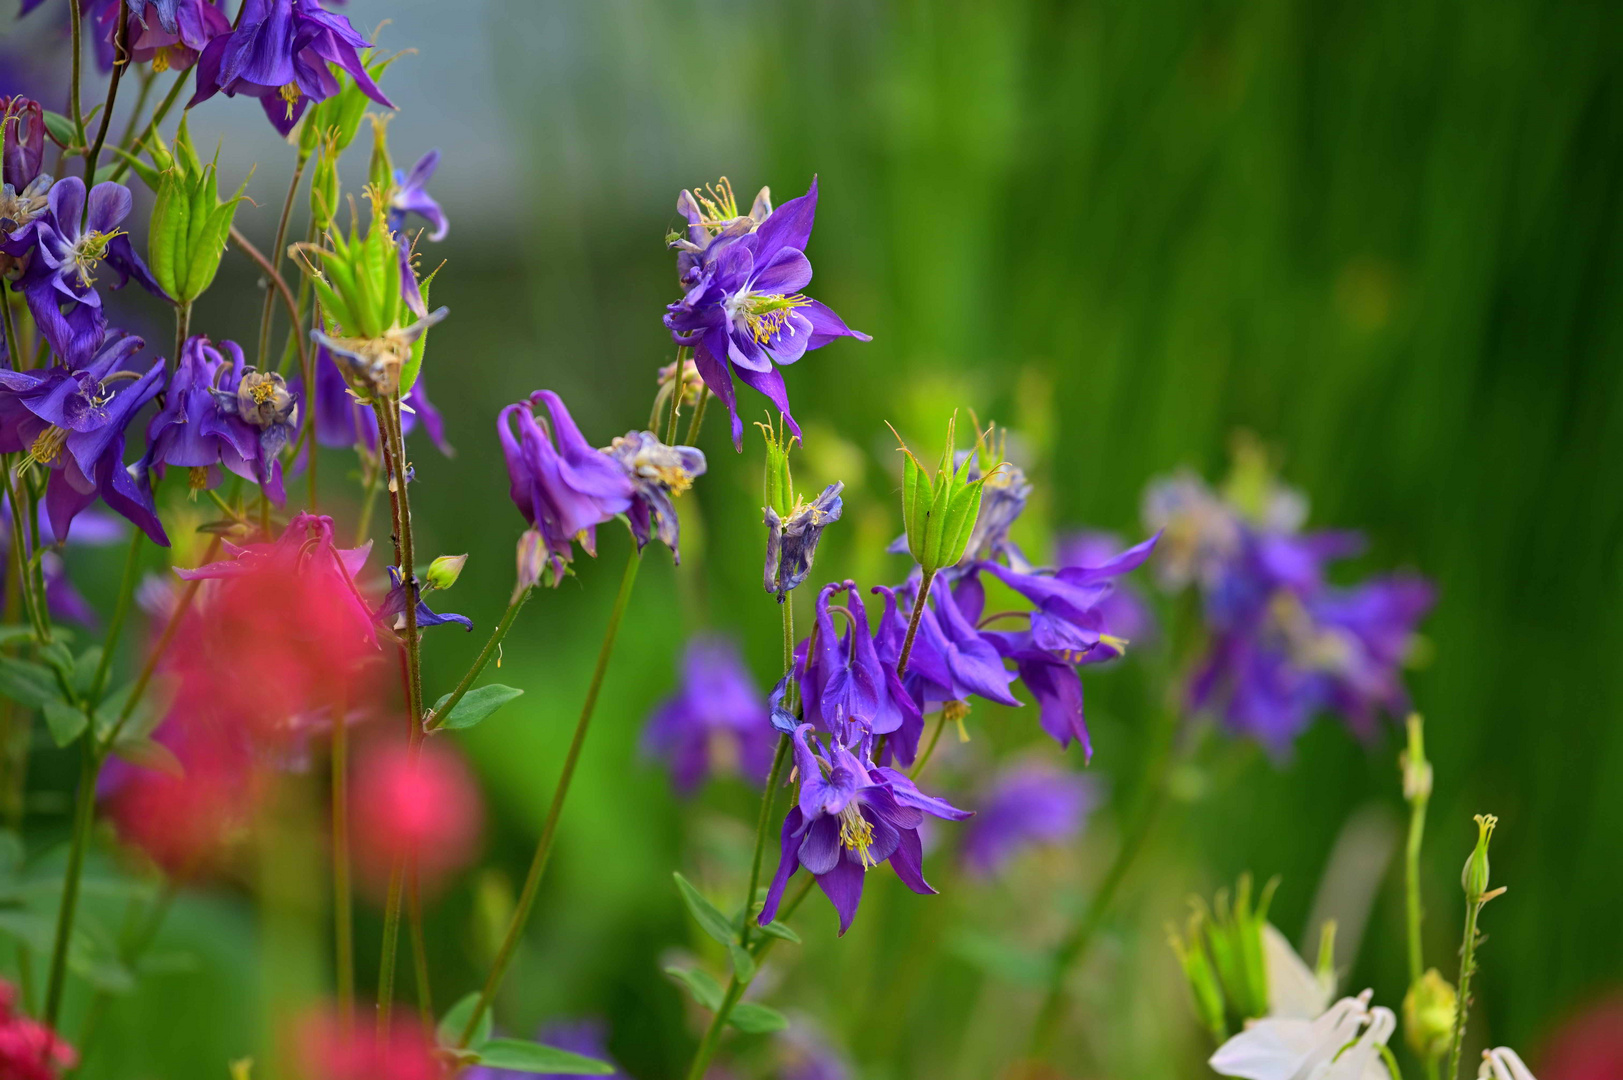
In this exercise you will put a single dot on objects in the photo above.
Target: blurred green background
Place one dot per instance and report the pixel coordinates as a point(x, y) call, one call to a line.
point(1385, 237)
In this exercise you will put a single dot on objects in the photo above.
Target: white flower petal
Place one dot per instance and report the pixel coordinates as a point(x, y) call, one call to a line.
point(1293, 989)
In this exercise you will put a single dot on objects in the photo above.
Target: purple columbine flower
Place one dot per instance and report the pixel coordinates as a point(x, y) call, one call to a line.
point(219, 412)
point(559, 482)
point(743, 313)
point(1126, 611)
point(656, 472)
point(717, 715)
point(73, 423)
point(24, 190)
point(1027, 805)
point(851, 816)
point(791, 545)
point(411, 196)
point(65, 258)
point(849, 692)
point(392, 612)
point(279, 52)
point(173, 33)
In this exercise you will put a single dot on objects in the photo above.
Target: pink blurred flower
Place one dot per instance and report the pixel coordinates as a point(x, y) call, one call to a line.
point(183, 822)
point(331, 1050)
point(1589, 1046)
point(423, 801)
point(28, 1049)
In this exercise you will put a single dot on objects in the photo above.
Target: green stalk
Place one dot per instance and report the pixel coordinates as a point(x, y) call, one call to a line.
point(1411, 864)
point(419, 949)
point(121, 611)
point(25, 580)
point(1467, 968)
point(437, 721)
point(927, 576)
point(549, 829)
point(698, 417)
point(929, 749)
point(183, 328)
point(84, 812)
point(13, 343)
point(277, 254)
point(147, 79)
point(146, 133)
point(73, 86)
point(343, 895)
point(121, 60)
point(676, 396)
point(1151, 797)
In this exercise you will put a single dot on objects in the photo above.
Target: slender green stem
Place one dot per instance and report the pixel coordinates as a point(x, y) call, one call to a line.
point(369, 499)
point(84, 812)
point(183, 329)
point(549, 829)
point(435, 718)
point(121, 611)
point(182, 606)
point(277, 254)
point(121, 60)
point(698, 417)
point(343, 895)
point(929, 749)
point(13, 342)
point(1150, 798)
point(1467, 969)
point(75, 35)
point(676, 396)
point(164, 106)
point(1413, 909)
point(1391, 1062)
point(25, 580)
point(147, 79)
point(419, 950)
point(247, 247)
point(391, 935)
point(919, 603)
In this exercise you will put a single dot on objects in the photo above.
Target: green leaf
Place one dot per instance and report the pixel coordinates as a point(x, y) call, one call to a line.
point(456, 1021)
point(779, 930)
point(753, 1019)
point(712, 921)
point(476, 705)
point(8, 634)
point(59, 656)
point(743, 963)
point(147, 754)
point(66, 722)
point(28, 684)
point(705, 990)
point(34, 929)
point(60, 128)
point(84, 669)
point(534, 1058)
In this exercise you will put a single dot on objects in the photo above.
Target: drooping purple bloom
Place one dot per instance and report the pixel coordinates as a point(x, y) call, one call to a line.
point(1027, 805)
point(23, 140)
point(65, 258)
point(559, 482)
point(1068, 616)
point(849, 692)
point(73, 423)
point(742, 312)
point(411, 196)
point(279, 52)
point(173, 33)
point(850, 817)
point(1125, 610)
point(657, 472)
point(791, 545)
point(717, 716)
point(220, 412)
point(951, 660)
point(392, 612)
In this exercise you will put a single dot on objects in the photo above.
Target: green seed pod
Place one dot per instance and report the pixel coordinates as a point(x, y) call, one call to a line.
point(1474, 878)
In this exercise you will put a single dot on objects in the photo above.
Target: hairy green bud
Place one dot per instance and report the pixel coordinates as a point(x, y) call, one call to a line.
point(1428, 1015)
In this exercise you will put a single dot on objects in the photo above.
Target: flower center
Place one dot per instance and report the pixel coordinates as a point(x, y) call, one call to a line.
point(90, 250)
point(160, 60)
point(47, 446)
point(764, 314)
point(856, 834)
point(717, 205)
point(197, 478)
point(291, 94)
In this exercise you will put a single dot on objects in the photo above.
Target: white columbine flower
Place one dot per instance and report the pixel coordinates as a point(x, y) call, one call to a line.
point(1503, 1064)
point(1295, 991)
point(1341, 1044)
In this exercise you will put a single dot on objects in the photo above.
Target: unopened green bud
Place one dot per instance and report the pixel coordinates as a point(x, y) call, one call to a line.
point(324, 186)
point(939, 511)
point(443, 571)
point(532, 561)
point(1428, 1015)
point(187, 233)
point(1416, 769)
point(1474, 878)
point(381, 169)
point(1204, 990)
point(777, 489)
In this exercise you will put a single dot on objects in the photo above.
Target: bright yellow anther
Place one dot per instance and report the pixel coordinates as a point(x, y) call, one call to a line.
point(160, 60)
point(291, 93)
point(47, 446)
point(856, 834)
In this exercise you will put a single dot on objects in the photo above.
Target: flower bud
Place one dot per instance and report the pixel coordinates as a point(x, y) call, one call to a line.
point(532, 561)
point(324, 186)
point(939, 512)
point(1428, 1015)
point(443, 571)
point(1474, 878)
point(1416, 769)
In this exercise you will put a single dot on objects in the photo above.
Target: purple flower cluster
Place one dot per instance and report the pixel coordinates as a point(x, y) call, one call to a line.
point(742, 311)
point(1285, 643)
point(1026, 806)
point(716, 718)
point(565, 488)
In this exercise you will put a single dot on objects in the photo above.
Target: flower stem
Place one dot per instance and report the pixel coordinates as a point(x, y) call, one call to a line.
point(121, 60)
point(1151, 797)
point(246, 246)
point(549, 829)
point(25, 579)
point(13, 343)
point(698, 417)
point(164, 106)
point(73, 86)
point(343, 896)
point(84, 812)
point(1473, 908)
point(1413, 910)
point(419, 948)
point(183, 329)
point(929, 749)
point(147, 79)
point(276, 255)
point(435, 720)
point(927, 577)
point(676, 395)
point(121, 611)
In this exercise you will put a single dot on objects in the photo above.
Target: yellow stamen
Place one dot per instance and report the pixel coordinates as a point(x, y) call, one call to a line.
point(160, 60)
point(291, 94)
point(767, 315)
point(263, 391)
point(717, 205)
point(47, 446)
point(955, 711)
point(856, 834)
point(197, 478)
point(674, 477)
